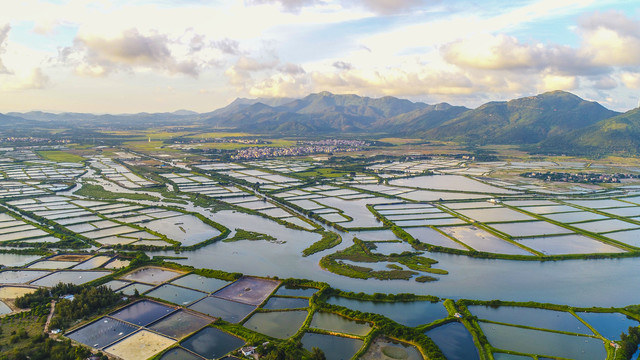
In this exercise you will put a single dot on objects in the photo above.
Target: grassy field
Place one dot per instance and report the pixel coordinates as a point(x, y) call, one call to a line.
point(61, 156)
point(323, 172)
point(97, 191)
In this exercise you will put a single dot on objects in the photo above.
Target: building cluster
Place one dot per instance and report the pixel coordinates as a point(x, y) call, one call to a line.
point(579, 177)
point(334, 142)
point(220, 140)
point(269, 152)
point(33, 140)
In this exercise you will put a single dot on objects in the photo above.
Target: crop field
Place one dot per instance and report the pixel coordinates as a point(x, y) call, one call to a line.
point(141, 345)
point(61, 156)
point(12, 292)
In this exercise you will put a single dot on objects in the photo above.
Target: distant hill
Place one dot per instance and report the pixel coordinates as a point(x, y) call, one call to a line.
point(419, 120)
point(619, 134)
point(322, 112)
point(551, 122)
point(522, 121)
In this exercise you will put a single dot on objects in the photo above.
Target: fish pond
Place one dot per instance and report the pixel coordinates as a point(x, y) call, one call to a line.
point(455, 341)
point(543, 343)
point(334, 347)
point(226, 310)
point(212, 343)
point(408, 313)
point(277, 324)
point(337, 323)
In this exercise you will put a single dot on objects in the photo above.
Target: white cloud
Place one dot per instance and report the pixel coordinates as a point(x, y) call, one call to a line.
point(4, 34)
point(558, 82)
point(631, 80)
point(36, 79)
point(99, 56)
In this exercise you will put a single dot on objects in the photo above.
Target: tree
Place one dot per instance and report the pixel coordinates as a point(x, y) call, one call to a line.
point(317, 354)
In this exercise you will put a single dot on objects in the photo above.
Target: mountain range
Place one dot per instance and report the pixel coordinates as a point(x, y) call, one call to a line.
point(555, 121)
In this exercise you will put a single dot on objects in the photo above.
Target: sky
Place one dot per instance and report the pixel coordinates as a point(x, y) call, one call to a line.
point(128, 56)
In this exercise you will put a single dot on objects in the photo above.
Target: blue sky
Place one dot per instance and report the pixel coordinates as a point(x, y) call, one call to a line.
point(107, 56)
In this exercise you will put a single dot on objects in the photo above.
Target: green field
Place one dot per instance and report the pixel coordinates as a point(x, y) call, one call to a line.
point(61, 156)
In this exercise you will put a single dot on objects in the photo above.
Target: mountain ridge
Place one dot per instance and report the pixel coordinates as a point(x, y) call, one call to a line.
point(550, 121)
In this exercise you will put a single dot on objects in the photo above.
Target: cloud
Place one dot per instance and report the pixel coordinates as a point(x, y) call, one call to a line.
point(227, 46)
point(291, 69)
point(246, 63)
point(492, 52)
point(4, 35)
point(611, 38)
point(386, 7)
point(605, 82)
point(558, 82)
point(293, 6)
point(341, 65)
point(34, 80)
point(99, 56)
point(631, 80)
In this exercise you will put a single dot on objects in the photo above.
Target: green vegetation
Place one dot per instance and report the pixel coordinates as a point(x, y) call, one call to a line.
point(242, 234)
point(60, 156)
point(329, 240)
point(360, 252)
point(98, 192)
point(22, 337)
point(88, 301)
point(322, 173)
point(628, 344)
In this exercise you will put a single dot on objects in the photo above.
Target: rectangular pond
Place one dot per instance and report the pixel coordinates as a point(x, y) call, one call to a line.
point(530, 228)
point(277, 324)
point(142, 312)
point(334, 347)
point(433, 237)
point(386, 349)
point(609, 325)
point(408, 313)
point(279, 303)
point(212, 343)
point(180, 324)
point(201, 283)
point(287, 291)
point(455, 341)
point(495, 214)
point(179, 354)
point(187, 229)
point(151, 275)
point(482, 240)
point(568, 244)
point(226, 310)
point(631, 237)
point(602, 226)
point(176, 294)
point(93, 263)
point(248, 290)
point(21, 276)
point(101, 332)
point(533, 317)
point(68, 276)
point(574, 217)
point(543, 342)
point(337, 323)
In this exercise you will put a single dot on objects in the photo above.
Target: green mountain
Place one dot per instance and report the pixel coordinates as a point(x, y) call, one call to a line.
point(323, 112)
point(619, 134)
point(526, 120)
point(419, 120)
